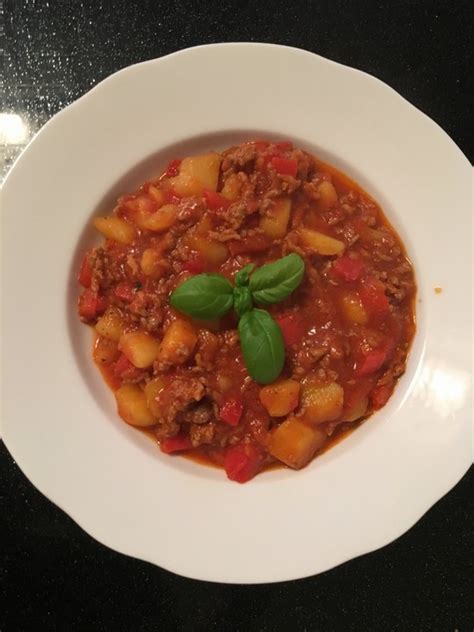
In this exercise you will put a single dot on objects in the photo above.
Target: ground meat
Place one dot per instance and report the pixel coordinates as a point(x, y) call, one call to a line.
point(166, 429)
point(200, 413)
point(307, 357)
point(311, 189)
point(207, 348)
point(227, 234)
point(202, 434)
point(147, 308)
point(104, 272)
point(239, 156)
point(191, 209)
point(348, 233)
point(230, 338)
point(179, 395)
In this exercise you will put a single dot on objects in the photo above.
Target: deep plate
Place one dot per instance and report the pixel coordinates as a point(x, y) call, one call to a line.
point(59, 420)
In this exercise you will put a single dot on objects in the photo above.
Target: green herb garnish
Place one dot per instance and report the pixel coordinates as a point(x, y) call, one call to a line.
point(207, 296)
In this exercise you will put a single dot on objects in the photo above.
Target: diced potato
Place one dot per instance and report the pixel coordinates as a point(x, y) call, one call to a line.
point(353, 308)
point(157, 194)
point(140, 348)
point(231, 188)
point(224, 382)
point(111, 325)
point(321, 402)
point(204, 226)
point(320, 243)
point(115, 228)
point(150, 264)
point(275, 223)
point(197, 173)
point(295, 443)
point(152, 392)
point(357, 408)
point(132, 406)
point(214, 252)
point(162, 219)
point(105, 350)
point(178, 343)
point(140, 209)
point(328, 195)
point(204, 168)
point(280, 398)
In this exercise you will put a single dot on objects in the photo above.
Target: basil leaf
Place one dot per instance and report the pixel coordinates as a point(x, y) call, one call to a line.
point(203, 296)
point(242, 276)
point(242, 300)
point(262, 345)
point(273, 282)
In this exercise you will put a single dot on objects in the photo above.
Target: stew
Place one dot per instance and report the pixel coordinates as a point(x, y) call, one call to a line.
point(249, 306)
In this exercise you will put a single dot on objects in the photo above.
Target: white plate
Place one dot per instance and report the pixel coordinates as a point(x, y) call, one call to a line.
point(59, 421)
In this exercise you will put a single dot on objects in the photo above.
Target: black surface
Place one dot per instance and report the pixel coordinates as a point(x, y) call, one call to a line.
point(55, 577)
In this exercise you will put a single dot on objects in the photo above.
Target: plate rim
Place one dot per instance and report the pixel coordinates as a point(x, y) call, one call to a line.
point(74, 105)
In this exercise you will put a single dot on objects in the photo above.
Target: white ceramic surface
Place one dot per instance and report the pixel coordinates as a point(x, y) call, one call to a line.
point(58, 418)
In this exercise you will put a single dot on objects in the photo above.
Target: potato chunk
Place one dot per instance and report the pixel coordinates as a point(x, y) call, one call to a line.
point(152, 392)
point(357, 408)
point(151, 264)
point(178, 343)
point(116, 229)
point(111, 325)
point(162, 219)
point(231, 188)
point(328, 195)
point(321, 402)
point(105, 351)
point(353, 309)
point(295, 443)
point(275, 222)
point(197, 173)
point(132, 406)
point(320, 243)
point(214, 252)
point(140, 348)
point(280, 398)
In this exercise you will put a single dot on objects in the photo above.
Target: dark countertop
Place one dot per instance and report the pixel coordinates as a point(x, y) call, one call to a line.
point(55, 577)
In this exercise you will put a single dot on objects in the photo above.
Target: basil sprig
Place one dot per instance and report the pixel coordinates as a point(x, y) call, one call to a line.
point(207, 296)
point(275, 281)
point(204, 296)
point(262, 345)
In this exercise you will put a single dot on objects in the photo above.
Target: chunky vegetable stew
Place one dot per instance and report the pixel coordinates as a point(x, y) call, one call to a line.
point(249, 306)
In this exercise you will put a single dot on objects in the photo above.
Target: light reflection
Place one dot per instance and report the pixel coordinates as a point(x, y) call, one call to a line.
point(13, 129)
point(443, 389)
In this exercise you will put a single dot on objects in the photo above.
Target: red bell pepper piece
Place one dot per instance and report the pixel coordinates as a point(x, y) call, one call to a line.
point(373, 297)
point(256, 243)
point(195, 264)
point(242, 462)
point(124, 369)
point(231, 411)
point(125, 292)
point(292, 327)
point(85, 273)
point(178, 443)
point(372, 361)
point(173, 168)
point(380, 395)
point(348, 269)
point(215, 201)
point(90, 304)
point(284, 166)
point(260, 145)
point(171, 196)
point(284, 145)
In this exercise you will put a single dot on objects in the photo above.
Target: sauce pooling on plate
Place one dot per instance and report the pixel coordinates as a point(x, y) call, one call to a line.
point(250, 306)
